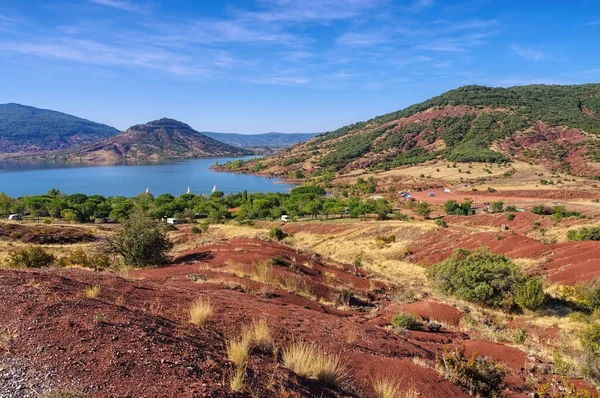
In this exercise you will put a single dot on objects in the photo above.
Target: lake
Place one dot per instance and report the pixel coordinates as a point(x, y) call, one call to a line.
point(174, 177)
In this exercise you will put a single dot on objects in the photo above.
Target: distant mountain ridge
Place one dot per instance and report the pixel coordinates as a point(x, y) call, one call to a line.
point(270, 140)
point(157, 140)
point(25, 129)
point(552, 125)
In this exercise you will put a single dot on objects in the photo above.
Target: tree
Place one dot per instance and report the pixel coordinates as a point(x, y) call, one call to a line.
point(423, 209)
point(141, 242)
point(530, 295)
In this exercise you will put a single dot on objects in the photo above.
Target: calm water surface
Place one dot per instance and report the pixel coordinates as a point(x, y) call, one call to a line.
point(18, 179)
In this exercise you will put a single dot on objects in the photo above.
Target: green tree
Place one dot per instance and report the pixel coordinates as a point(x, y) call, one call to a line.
point(423, 209)
point(141, 242)
point(497, 207)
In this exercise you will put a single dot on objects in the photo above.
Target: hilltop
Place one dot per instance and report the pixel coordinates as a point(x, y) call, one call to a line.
point(554, 126)
point(156, 140)
point(266, 140)
point(27, 129)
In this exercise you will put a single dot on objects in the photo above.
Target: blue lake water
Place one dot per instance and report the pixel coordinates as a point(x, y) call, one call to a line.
point(174, 177)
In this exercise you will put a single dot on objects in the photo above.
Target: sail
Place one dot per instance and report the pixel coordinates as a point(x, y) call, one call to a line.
point(214, 188)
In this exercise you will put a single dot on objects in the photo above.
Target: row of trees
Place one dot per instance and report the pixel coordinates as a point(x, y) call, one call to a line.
point(300, 202)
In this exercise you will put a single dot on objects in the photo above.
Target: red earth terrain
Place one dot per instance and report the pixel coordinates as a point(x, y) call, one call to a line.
point(135, 339)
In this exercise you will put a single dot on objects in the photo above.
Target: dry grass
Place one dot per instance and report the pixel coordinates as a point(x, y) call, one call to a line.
point(385, 387)
point(238, 348)
point(200, 312)
point(92, 292)
point(351, 334)
point(237, 379)
point(261, 335)
point(306, 360)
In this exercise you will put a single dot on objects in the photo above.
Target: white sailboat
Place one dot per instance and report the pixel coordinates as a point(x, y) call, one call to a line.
point(214, 188)
point(188, 191)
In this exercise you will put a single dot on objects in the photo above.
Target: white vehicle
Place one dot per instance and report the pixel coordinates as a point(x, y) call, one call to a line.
point(285, 218)
point(15, 217)
point(172, 220)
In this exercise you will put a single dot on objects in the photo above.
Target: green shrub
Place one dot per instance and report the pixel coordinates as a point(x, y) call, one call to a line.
point(422, 209)
point(510, 216)
point(497, 207)
point(406, 321)
point(203, 226)
point(277, 233)
point(584, 233)
point(141, 242)
point(510, 209)
point(452, 207)
point(441, 223)
point(31, 257)
point(477, 375)
point(479, 276)
point(196, 230)
point(530, 294)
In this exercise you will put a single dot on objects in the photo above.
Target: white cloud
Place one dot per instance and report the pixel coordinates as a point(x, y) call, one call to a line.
point(120, 5)
point(361, 39)
point(527, 53)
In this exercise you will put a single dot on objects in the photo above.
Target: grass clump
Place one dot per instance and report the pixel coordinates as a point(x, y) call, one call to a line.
point(386, 387)
point(406, 321)
point(306, 360)
point(237, 379)
point(261, 335)
point(238, 349)
point(31, 257)
point(200, 312)
point(92, 292)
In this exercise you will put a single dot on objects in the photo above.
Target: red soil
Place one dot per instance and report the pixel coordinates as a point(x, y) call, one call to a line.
point(134, 339)
point(430, 310)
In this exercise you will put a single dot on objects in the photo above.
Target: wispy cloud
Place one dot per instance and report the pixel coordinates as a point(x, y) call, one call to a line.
point(361, 39)
point(120, 5)
point(593, 23)
point(527, 53)
point(308, 10)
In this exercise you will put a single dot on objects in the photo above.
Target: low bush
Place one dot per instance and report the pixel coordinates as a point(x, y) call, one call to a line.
point(31, 257)
point(452, 207)
point(277, 233)
point(477, 375)
point(385, 387)
point(530, 294)
point(510, 209)
point(406, 321)
point(584, 233)
point(92, 292)
point(383, 240)
point(479, 276)
point(441, 223)
point(196, 230)
point(510, 216)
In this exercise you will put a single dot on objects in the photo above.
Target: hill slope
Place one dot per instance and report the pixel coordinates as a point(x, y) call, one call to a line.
point(157, 140)
point(28, 129)
point(271, 140)
point(557, 126)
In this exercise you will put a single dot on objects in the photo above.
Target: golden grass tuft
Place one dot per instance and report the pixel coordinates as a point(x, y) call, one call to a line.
point(237, 379)
point(200, 312)
point(306, 360)
point(261, 335)
point(92, 292)
point(238, 348)
point(385, 387)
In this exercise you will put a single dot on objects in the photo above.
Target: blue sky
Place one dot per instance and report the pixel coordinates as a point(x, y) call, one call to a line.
point(282, 65)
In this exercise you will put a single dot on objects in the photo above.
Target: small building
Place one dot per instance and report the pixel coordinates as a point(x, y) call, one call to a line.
point(172, 220)
point(15, 217)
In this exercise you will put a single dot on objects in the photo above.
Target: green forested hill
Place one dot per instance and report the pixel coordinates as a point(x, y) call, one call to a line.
point(29, 129)
point(468, 124)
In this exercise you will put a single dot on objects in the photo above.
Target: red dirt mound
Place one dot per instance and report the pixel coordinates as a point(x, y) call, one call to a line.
point(45, 234)
point(430, 310)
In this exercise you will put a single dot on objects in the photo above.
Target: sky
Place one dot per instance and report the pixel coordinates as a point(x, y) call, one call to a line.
point(258, 66)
